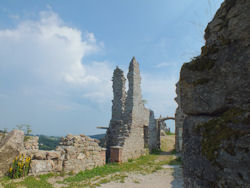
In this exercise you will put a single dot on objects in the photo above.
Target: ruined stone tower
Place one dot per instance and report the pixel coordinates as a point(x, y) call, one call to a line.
point(116, 127)
point(119, 92)
point(128, 135)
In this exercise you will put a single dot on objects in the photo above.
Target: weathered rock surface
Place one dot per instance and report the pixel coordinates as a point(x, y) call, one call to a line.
point(179, 120)
point(10, 147)
point(215, 95)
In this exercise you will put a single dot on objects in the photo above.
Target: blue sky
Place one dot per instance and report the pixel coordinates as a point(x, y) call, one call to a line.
point(57, 57)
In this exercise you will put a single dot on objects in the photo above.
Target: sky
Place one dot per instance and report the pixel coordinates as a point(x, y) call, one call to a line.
point(57, 58)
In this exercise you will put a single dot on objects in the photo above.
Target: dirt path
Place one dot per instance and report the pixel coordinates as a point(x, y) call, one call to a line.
point(169, 177)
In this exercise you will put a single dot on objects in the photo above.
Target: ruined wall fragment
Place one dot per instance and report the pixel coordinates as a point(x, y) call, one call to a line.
point(117, 132)
point(131, 133)
point(75, 153)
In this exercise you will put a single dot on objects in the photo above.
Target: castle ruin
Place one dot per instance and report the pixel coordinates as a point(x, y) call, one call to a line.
point(132, 130)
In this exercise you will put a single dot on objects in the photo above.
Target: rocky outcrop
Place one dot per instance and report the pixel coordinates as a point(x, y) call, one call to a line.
point(214, 91)
point(10, 147)
point(179, 120)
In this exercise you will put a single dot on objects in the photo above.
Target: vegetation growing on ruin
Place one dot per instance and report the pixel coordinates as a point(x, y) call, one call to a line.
point(216, 130)
point(200, 63)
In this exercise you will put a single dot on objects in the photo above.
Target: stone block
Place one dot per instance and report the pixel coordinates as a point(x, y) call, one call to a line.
point(41, 166)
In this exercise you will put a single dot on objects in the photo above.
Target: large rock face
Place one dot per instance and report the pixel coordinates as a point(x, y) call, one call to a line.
point(10, 147)
point(179, 120)
point(215, 95)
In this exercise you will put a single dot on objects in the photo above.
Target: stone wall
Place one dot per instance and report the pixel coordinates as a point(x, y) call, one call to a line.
point(75, 153)
point(80, 153)
point(215, 90)
point(31, 143)
point(129, 126)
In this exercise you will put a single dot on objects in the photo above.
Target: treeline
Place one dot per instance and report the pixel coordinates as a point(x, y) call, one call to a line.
point(48, 142)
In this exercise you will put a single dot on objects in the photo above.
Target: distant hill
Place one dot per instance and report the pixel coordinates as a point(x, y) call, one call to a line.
point(97, 136)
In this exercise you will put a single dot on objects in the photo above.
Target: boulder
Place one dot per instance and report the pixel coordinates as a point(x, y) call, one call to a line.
point(10, 147)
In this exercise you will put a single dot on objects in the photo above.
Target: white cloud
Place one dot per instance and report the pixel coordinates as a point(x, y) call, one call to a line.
point(49, 55)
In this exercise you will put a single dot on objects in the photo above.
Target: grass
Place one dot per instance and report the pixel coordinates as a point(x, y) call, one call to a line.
point(169, 133)
point(29, 182)
point(200, 63)
point(113, 172)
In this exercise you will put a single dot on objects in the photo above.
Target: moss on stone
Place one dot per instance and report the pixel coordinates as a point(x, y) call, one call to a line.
point(201, 63)
point(216, 130)
point(26, 138)
point(200, 82)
